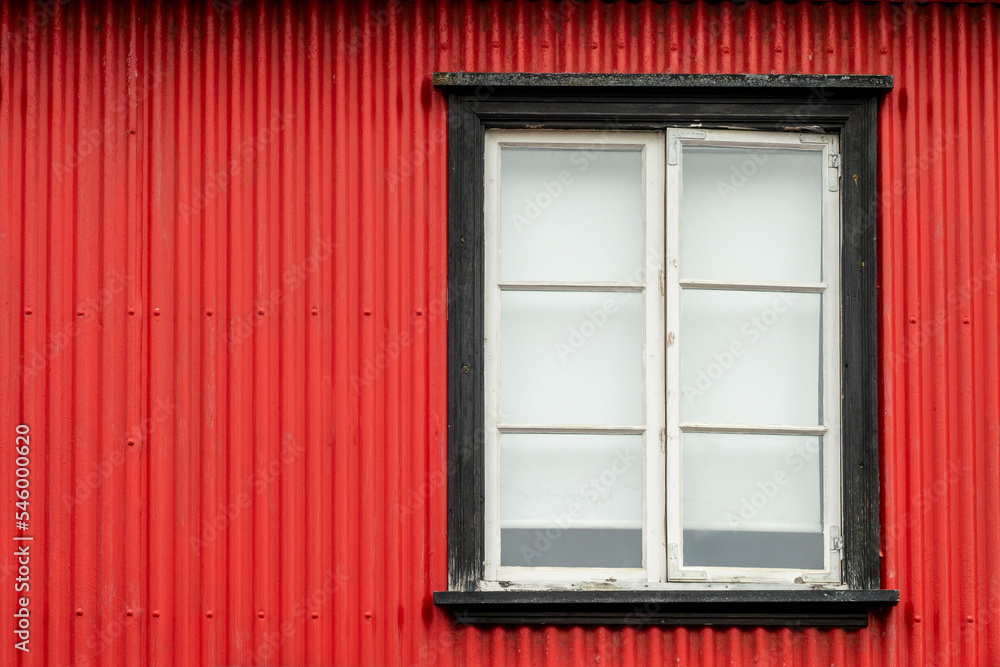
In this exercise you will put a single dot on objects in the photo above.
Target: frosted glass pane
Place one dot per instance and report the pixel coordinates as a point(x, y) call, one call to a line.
point(570, 214)
point(571, 500)
point(570, 481)
point(751, 482)
point(752, 500)
point(571, 358)
point(750, 357)
point(751, 214)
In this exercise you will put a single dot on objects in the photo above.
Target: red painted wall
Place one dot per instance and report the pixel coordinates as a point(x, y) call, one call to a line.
point(222, 284)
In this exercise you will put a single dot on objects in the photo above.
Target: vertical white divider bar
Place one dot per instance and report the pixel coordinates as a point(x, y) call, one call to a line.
point(672, 290)
point(832, 500)
point(830, 349)
point(491, 354)
point(654, 344)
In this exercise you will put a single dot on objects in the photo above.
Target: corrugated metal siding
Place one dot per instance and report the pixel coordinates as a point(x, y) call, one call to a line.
point(222, 274)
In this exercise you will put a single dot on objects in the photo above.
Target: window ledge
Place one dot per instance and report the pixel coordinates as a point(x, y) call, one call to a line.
point(792, 608)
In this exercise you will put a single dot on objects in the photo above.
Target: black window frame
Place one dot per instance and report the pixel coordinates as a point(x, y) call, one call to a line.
point(846, 105)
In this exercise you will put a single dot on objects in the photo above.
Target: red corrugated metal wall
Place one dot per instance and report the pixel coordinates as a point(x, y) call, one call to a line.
point(223, 272)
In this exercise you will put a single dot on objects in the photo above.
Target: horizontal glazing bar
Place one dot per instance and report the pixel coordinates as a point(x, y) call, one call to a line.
point(573, 523)
point(532, 286)
point(571, 428)
point(781, 429)
point(753, 286)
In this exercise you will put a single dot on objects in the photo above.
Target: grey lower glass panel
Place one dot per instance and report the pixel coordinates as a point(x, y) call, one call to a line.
point(576, 547)
point(745, 548)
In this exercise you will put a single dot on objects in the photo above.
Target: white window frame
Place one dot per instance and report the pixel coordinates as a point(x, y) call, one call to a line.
point(654, 560)
point(661, 287)
point(828, 288)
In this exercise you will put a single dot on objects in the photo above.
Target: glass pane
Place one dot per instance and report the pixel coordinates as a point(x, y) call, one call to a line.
point(571, 358)
point(752, 500)
point(751, 214)
point(750, 357)
point(570, 214)
point(571, 500)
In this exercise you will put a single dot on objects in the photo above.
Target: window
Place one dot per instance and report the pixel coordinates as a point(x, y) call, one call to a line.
point(662, 380)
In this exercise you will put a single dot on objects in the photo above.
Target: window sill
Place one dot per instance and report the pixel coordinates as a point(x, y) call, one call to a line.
point(792, 608)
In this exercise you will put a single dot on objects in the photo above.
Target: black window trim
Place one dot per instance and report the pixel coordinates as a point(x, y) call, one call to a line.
point(842, 104)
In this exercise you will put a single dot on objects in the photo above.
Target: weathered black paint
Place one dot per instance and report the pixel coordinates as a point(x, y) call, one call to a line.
point(846, 105)
point(535, 80)
point(797, 609)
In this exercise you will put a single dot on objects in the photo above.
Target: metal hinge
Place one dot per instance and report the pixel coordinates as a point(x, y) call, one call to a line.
point(836, 540)
point(833, 175)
